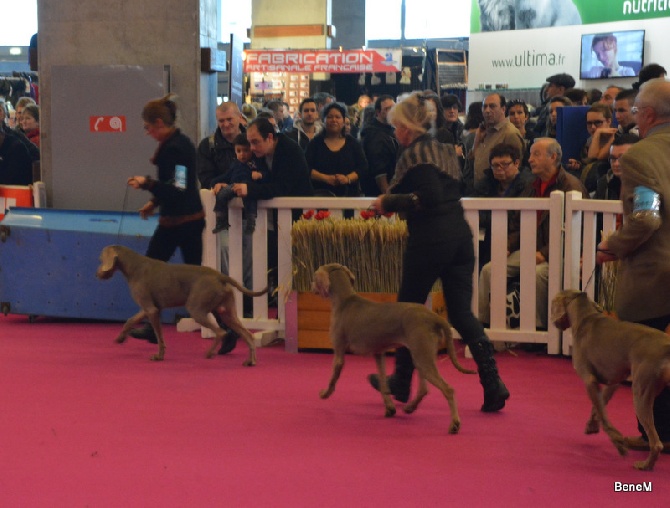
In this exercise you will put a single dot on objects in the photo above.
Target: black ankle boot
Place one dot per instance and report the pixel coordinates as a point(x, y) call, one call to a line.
point(400, 381)
point(399, 391)
point(229, 342)
point(495, 391)
point(145, 333)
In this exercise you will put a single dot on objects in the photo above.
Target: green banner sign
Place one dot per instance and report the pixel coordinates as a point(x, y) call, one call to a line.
point(497, 15)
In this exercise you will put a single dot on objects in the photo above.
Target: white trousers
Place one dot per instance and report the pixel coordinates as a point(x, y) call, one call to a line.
point(513, 271)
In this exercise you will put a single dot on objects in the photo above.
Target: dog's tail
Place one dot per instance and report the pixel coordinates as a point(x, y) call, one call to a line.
point(451, 351)
point(244, 290)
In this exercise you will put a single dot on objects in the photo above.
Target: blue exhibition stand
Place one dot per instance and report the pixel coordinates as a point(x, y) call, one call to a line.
point(49, 258)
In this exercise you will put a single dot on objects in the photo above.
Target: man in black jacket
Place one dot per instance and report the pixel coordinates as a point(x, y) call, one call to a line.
point(381, 149)
point(289, 174)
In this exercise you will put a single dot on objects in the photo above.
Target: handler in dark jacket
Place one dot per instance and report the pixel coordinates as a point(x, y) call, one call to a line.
point(174, 191)
point(426, 189)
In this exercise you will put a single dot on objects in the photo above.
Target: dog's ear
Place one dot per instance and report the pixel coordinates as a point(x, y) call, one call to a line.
point(321, 285)
point(351, 276)
point(108, 259)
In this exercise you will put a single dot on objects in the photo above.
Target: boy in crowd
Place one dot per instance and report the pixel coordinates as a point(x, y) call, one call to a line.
point(243, 170)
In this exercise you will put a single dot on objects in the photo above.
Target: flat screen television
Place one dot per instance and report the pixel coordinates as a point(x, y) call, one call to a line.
point(612, 54)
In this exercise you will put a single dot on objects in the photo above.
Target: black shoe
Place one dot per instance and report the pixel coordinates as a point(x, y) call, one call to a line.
point(220, 226)
point(229, 342)
point(400, 393)
point(145, 333)
point(250, 226)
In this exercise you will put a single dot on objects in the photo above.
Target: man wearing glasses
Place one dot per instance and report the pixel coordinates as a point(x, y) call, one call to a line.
point(642, 245)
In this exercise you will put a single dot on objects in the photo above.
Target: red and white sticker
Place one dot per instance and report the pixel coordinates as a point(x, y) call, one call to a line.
point(107, 123)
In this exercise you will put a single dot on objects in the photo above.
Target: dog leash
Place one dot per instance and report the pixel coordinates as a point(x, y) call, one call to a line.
point(588, 282)
point(594, 270)
point(123, 211)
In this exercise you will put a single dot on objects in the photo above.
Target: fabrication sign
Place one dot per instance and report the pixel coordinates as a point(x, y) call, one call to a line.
point(323, 60)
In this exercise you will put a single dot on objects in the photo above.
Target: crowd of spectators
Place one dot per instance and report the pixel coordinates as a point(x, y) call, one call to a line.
point(506, 148)
point(330, 149)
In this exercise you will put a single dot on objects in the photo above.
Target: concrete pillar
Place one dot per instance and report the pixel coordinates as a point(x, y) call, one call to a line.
point(130, 32)
point(290, 24)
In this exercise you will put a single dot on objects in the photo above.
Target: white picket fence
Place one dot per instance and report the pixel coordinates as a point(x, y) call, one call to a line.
point(581, 228)
point(572, 222)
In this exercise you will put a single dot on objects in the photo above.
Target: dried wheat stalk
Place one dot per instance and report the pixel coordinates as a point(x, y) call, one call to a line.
point(371, 249)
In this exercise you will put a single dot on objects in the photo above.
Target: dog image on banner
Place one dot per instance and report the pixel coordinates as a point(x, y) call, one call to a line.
point(495, 15)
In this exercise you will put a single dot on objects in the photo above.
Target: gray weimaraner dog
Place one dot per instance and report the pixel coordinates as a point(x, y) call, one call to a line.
point(605, 351)
point(156, 285)
point(367, 327)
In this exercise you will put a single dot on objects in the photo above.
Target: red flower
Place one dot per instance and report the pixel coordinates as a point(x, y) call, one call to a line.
point(322, 214)
point(307, 215)
point(370, 214)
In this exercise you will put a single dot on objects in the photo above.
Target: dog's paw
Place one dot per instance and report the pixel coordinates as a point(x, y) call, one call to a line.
point(120, 339)
point(621, 445)
point(324, 394)
point(390, 411)
point(592, 427)
point(410, 408)
point(157, 358)
point(248, 363)
point(643, 465)
point(454, 427)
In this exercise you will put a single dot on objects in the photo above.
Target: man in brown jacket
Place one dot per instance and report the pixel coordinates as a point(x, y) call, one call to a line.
point(495, 129)
point(643, 242)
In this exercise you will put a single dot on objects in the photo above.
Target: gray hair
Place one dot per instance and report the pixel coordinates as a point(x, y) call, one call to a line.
point(229, 106)
point(553, 148)
point(656, 94)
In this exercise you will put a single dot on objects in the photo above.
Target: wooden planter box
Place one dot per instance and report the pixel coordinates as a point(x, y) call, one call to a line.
point(371, 249)
point(314, 316)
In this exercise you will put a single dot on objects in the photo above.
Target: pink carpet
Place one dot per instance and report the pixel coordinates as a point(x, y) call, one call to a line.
point(85, 422)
